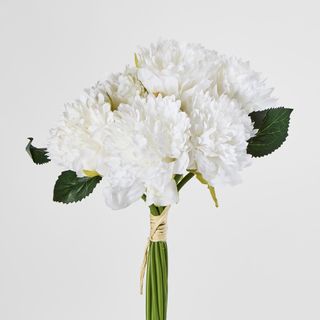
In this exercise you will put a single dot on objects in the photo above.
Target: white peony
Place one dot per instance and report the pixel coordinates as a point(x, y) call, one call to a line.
point(148, 144)
point(172, 68)
point(117, 88)
point(181, 107)
point(236, 79)
point(77, 142)
point(169, 67)
point(219, 134)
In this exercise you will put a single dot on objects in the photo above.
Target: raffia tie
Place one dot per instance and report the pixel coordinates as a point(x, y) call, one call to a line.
point(158, 232)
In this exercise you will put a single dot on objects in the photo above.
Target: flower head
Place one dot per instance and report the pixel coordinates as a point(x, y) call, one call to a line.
point(238, 81)
point(172, 68)
point(149, 144)
point(77, 142)
point(219, 134)
point(117, 88)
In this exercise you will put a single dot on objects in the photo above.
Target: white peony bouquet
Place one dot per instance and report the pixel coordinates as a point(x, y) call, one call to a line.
point(180, 111)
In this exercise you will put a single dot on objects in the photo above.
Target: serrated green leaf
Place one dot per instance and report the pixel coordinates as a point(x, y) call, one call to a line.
point(38, 155)
point(71, 188)
point(257, 118)
point(273, 127)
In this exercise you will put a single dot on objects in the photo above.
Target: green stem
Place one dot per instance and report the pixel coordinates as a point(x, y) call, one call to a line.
point(157, 278)
point(157, 282)
point(180, 183)
point(154, 285)
point(153, 209)
point(148, 291)
point(164, 267)
point(184, 180)
point(157, 267)
point(177, 178)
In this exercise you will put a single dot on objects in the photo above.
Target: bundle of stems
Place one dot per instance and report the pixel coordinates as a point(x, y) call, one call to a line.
point(157, 268)
point(157, 281)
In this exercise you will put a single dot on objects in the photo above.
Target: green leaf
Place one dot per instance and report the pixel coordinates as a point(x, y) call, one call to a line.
point(91, 173)
point(211, 188)
point(272, 125)
point(136, 60)
point(71, 188)
point(177, 178)
point(257, 118)
point(38, 155)
point(213, 195)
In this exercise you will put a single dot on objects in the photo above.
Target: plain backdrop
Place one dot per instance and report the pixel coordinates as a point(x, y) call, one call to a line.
point(256, 257)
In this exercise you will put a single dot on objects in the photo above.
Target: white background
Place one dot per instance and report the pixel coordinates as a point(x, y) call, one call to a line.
point(256, 257)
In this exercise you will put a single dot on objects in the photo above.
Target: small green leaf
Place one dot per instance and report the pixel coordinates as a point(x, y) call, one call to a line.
point(272, 125)
point(201, 178)
point(136, 60)
point(71, 188)
point(38, 155)
point(211, 188)
point(213, 195)
point(91, 173)
point(177, 178)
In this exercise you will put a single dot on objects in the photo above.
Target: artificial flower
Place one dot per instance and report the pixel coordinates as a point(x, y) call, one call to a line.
point(236, 79)
point(76, 143)
point(117, 88)
point(148, 144)
point(169, 67)
point(220, 130)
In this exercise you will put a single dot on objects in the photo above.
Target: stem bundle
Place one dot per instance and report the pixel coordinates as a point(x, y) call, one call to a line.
point(157, 268)
point(157, 282)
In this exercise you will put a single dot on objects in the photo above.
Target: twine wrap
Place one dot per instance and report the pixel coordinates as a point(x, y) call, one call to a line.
point(158, 232)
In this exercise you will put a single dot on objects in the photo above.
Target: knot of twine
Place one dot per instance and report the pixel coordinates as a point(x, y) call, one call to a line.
point(158, 232)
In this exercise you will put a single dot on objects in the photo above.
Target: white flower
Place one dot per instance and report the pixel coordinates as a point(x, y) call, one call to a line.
point(182, 107)
point(77, 142)
point(117, 88)
point(169, 67)
point(219, 130)
point(148, 144)
point(236, 79)
point(172, 68)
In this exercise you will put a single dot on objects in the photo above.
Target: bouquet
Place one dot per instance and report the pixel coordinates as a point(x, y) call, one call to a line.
point(181, 111)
